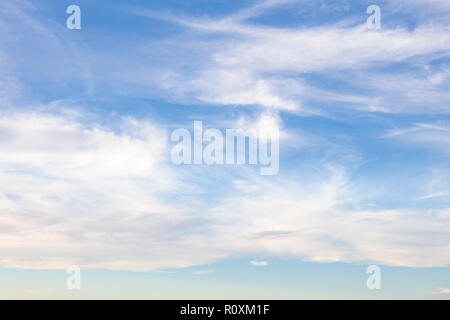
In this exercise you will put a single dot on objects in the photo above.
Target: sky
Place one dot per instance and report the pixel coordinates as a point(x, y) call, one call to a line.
point(86, 177)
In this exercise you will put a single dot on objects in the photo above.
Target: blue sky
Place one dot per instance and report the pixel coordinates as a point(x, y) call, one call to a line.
point(86, 177)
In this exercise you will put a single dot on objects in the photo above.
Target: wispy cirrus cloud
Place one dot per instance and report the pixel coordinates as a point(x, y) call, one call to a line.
point(233, 60)
point(263, 65)
point(435, 135)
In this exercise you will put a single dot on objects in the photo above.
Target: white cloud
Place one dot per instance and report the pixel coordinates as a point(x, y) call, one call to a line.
point(266, 66)
point(259, 263)
point(312, 220)
point(251, 65)
point(233, 87)
point(325, 48)
point(434, 135)
point(82, 194)
point(442, 291)
point(202, 272)
point(438, 194)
